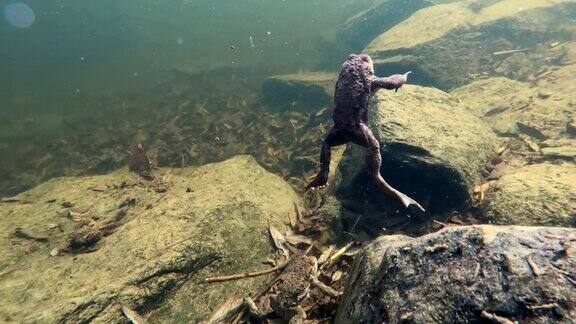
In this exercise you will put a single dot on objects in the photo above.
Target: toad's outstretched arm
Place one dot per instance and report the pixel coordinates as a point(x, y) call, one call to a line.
point(393, 82)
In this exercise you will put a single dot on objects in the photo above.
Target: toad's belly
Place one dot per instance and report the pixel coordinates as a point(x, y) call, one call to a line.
point(347, 117)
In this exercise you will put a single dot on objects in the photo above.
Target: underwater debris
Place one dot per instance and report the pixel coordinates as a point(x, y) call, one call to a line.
point(133, 316)
point(285, 295)
point(326, 254)
point(520, 50)
point(337, 255)
point(298, 274)
point(530, 143)
point(279, 240)
point(296, 239)
point(230, 309)
point(86, 238)
point(496, 171)
point(15, 200)
point(497, 319)
point(23, 234)
point(481, 190)
point(183, 141)
point(139, 162)
point(245, 274)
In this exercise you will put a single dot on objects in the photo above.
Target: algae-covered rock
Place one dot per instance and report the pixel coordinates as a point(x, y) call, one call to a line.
point(542, 109)
point(359, 30)
point(564, 149)
point(448, 45)
point(432, 149)
point(464, 275)
point(310, 89)
point(538, 194)
point(168, 237)
point(571, 126)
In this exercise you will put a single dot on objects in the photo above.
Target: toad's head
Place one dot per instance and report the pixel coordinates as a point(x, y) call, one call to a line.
point(364, 61)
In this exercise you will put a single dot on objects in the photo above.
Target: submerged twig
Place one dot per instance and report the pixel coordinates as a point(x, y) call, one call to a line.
point(545, 306)
point(497, 319)
point(440, 223)
point(245, 274)
point(511, 51)
point(334, 258)
point(134, 317)
point(533, 266)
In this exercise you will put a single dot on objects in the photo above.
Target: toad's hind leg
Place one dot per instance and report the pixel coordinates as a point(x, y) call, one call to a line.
point(363, 136)
point(334, 137)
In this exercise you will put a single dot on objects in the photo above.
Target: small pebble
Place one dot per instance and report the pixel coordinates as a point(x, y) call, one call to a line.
point(544, 94)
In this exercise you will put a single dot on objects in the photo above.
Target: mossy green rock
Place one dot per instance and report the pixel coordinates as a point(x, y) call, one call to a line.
point(449, 45)
point(210, 220)
point(543, 109)
point(432, 149)
point(537, 194)
point(361, 29)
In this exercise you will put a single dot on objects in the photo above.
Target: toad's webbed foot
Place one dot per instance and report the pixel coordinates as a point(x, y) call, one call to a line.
point(321, 180)
point(407, 202)
point(413, 207)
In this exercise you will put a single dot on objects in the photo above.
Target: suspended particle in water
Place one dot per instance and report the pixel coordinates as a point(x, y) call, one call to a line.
point(19, 15)
point(232, 47)
point(180, 40)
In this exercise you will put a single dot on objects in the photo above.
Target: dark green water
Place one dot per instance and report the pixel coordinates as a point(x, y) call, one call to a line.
point(116, 45)
point(76, 61)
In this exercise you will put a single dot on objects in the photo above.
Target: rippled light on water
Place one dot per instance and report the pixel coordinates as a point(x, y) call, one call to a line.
point(19, 15)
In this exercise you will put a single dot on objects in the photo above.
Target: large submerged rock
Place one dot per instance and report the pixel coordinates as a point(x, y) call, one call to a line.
point(197, 222)
point(464, 275)
point(311, 89)
point(449, 45)
point(542, 109)
point(432, 149)
point(359, 30)
point(537, 194)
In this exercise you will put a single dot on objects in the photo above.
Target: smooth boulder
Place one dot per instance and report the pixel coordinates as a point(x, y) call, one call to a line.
point(161, 240)
point(464, 275)
point(432, 149)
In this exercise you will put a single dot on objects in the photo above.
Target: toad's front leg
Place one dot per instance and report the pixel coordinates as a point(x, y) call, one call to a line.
point(393, 82)
point(335, 137)
point(294, 314)
point(298, 315)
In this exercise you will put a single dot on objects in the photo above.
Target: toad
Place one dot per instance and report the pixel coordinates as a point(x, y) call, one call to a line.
point(354, 88)
point(292, 288)
point(289, 291)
